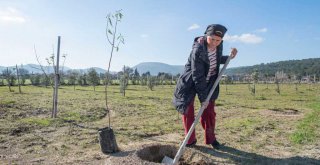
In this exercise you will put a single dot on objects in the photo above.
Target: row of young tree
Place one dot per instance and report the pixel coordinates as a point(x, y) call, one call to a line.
point(280, 77)
point(132, 76)
point(91, 77)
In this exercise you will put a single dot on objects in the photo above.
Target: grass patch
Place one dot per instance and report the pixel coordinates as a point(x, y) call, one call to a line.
point(93, 114)
point(6, 102)
point(43, 122)
point(309, 128)
point(262, 97)
point(241, 123)
point(71, 116)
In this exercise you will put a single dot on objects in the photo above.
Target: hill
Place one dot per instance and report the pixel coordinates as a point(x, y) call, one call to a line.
point(99, 70)
point(155, 67)
point(298, 67)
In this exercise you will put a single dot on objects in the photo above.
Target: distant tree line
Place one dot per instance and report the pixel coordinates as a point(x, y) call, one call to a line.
point(278, 77)
point(296, 71)
point(127, 76)
point(291, 68)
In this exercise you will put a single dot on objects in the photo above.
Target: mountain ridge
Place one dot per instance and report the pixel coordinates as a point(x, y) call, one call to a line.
point(157, 67)
point(298, 67)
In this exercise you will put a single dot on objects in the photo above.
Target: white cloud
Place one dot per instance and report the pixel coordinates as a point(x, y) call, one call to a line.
point(244, 38)
point(193, 27)
point(144, 35)
point(11, 15)
point(263, 30)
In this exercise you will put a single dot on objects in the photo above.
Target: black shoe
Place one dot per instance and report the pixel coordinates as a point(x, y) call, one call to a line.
point(192, 144)
point(215, 144)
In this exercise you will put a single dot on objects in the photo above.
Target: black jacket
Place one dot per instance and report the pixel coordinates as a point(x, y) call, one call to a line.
point(193, 79)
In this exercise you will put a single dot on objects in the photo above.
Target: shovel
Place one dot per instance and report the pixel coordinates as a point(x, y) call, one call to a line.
point(168, 160)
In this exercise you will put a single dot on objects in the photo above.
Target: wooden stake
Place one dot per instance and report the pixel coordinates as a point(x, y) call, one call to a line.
point(8, 80)
point(56, 83)
point(18, 79)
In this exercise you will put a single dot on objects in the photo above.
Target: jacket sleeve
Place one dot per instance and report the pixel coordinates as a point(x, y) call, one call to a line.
point(198, 74)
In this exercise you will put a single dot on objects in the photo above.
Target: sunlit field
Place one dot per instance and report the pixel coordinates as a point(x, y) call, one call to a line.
point(268, 124)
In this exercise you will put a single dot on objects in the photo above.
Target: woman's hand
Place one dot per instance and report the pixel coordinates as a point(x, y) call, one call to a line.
point(233, 53)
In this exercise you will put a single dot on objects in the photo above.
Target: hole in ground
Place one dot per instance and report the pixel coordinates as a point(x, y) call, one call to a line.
point(155, 153)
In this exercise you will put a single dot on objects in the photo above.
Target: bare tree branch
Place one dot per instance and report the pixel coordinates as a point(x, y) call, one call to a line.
point(37, 57)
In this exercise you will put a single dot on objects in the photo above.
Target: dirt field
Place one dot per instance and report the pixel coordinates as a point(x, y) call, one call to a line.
point(268, 128)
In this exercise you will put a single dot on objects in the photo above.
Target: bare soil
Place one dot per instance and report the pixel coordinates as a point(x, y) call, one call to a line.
point(136, 154)
point(29, 144)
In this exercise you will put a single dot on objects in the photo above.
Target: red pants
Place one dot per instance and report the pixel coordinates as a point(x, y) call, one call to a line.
point(208, 122)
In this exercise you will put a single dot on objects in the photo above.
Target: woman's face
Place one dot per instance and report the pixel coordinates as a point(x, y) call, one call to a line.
point(214, 41)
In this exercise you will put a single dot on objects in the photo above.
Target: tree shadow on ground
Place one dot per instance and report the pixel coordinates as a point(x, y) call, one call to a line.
point(228, 154)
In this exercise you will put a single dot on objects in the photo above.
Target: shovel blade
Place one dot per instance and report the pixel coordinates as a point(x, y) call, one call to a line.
point(167, 160)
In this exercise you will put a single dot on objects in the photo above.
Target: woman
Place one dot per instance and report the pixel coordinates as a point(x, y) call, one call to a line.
point(201, 71)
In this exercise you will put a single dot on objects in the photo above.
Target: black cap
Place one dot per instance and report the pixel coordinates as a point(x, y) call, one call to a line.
point(216, 29)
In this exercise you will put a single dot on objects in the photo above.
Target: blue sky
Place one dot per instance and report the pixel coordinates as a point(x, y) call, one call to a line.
point(157, 30)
